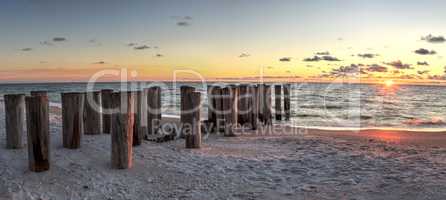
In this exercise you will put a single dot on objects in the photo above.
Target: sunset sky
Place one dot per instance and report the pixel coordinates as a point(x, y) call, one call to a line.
point(49, 40)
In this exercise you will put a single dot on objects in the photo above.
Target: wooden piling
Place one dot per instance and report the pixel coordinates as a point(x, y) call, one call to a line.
point(234, 100)
point(72, 119)
point(122, 130)
point(243, 105)
point(191, 124)
point(265, 104)
point(153, 111)
point(211, 104)
point(286, 101)
point(278, 101)
point(254, 106)
point(92, 113)
point(14, 120)
point(219, 110)
point(227, 107)
point(184, 90)
point(37, 121)
point(106, 110)
point(140, 128)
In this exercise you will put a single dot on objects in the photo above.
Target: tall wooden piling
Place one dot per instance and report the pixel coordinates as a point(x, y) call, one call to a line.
point(72, 119)
point(227, 107)
point(265, 104)
point(184, 91)
point(211, 107)
point(243, 105)
point(153, 110)
point(122, 130)
point(92, 113)
point(255, 106)
point(106, 110)
point(37, 121)
point(140, 128)
point(14, 120)
point(191, 123)
point(234, 100)
point(286, 101)
point(219, 110)
point(278, 101)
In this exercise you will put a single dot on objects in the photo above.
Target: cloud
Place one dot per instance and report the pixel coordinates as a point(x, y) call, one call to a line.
point(285, 59)
point(433, 39)
point(183, 23)
point(159, 55)
point(423, 63)
point(132, 44)
point(59, 39)
point(46, 43)
point(142, 47)
point(321, 58)
point(422, 51)
point(367, 55)
point(398, 65)
point(423, 72)
point(437, 77)
point(376, 68)
point(99, 63)
point(244, 55)
point(26, 49)
point(323, 53)
point(95, 42)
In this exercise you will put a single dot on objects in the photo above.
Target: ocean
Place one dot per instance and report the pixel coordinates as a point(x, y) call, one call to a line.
point(322, 105)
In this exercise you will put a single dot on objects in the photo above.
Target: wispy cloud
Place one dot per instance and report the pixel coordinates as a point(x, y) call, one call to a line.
point(183, 23)
point(398, 64)
point(26, 49)
point(46, 43)
point(142, 47)
point(182, 20)
point(285, 59)
point(59, 39)
point(95, 42)
point(323, 53)
point(321, 58)
point(433, 39)
point(423, 72)
point(244, 55)
point(423, 51)
point(367, 55)
point(376, 68)
point(423, 63)
point(159, 55)
point(99, 63)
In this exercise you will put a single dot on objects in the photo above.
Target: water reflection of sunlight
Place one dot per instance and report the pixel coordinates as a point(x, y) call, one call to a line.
point(388, 88)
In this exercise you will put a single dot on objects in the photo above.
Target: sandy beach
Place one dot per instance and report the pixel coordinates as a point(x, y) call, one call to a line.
point(320, 164)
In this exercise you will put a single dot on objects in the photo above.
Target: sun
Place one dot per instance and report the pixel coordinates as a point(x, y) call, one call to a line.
point(388, 83)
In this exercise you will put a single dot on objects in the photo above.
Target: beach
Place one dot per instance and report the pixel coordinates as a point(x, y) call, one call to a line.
point(316, 164)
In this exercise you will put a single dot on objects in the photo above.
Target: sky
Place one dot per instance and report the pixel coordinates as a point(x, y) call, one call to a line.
point(53, 40)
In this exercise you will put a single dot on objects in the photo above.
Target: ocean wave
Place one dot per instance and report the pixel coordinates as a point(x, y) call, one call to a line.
point(434, 121)
point(329, 107)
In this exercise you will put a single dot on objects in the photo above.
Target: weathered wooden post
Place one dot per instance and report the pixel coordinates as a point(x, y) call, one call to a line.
point(219, 111)
point(227, 106)
point(72, 119)
point(254, 106)
point(37, 121)
point(278, 102)
point(184, 90)
point(211, 108)
point(265, 104)
point(140, 128)
point(243, 105)
point(39, 93)
point(122, 130)
point(286, 101)
point(14, 120)
point(106, 110)
point(92, 113)
point(153, 111)
point(191, 124)
point(234, 100)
